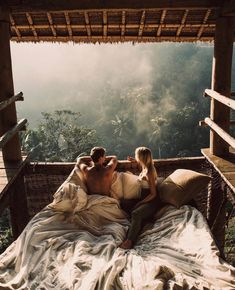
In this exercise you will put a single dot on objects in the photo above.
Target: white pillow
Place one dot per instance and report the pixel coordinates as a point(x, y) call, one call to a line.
point(131, 186)
point(71, 195)
point(116, 190)
point(70, 198)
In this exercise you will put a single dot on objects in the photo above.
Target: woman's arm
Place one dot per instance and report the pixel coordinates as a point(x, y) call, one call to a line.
point(152, 189)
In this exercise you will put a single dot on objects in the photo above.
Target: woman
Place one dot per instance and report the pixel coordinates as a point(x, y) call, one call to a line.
point(147, 206)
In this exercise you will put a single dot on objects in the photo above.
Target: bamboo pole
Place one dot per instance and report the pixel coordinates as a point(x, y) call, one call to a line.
point(113, 39)
point(12, 151)
point(4, 104)
point(221, 82)
point(222, 99)
point(12, 132)
point(113, 26)
point(219, 131)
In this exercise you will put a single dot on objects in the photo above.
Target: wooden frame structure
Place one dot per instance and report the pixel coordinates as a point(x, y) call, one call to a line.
point(116, 21)
point(91, 21)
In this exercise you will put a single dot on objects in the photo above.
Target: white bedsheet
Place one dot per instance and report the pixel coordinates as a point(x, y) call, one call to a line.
point(80, 251)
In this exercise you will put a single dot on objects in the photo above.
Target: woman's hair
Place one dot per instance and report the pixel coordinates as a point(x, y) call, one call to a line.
point(96, 153)
point(144, 156)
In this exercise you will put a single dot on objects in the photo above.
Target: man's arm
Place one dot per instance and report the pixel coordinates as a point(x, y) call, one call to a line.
point(112, 162)
point(82, 162)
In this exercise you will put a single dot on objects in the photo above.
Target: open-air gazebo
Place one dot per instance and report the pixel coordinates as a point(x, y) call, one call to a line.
point(27, 187)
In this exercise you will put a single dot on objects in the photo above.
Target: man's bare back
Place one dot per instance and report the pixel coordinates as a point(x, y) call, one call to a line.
point(98, 176)
point(98, 180)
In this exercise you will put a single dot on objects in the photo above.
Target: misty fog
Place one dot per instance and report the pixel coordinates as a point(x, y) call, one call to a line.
point(110, 84)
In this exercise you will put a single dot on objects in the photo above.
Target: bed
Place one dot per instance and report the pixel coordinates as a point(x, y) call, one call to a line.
point(73, 244)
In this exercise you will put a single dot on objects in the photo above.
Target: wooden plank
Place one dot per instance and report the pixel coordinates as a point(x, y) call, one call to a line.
point(4, 104)
point(13, 25)
point(8, 178)
point(117, 26)
point(222, 99)
point(203, 123)
point(51, 24)
point(32, 5)
point(225, 166)
point(222, 133)
point(9, 134)
point(116, 38)
point(161, 22)
point(182, 22)
point(204, 22)
point(31, 25)
point(228, 8)
point(61, 167)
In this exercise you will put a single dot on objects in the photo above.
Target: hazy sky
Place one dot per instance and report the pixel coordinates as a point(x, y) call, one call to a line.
point(62, 76)
point(52, 76)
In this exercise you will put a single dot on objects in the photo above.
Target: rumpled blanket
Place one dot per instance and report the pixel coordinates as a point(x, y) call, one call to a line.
point(78, 249)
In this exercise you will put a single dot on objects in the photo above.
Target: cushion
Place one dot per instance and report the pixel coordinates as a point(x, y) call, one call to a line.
point(181, 186)
point(131, 186)
point(116, 190)
point(71, 195)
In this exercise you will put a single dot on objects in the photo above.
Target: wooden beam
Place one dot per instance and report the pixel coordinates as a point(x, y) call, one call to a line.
point(123, 23)
point(51, 24)
point(228, 8)
point(219, 131)
point(68, 24)
point(6, 103)
point(30, 20)
point(182, 22)
point(116, 38)
point(203, 23)
point(202, 123)
point(61, 5)
point(9, 134)
point(221, 82)
point(141, 25)
point(13, 25)
point(66, 167)
point(87, 21)
point(8, 116)
point(105, 22)
point(161, 22)
point(222, 99)
point(116, 26)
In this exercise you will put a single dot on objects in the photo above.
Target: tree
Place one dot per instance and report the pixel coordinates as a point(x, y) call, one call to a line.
point(59, 138)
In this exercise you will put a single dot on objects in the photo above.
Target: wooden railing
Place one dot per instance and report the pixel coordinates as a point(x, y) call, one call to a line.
point(212, 124)
point(12, 191)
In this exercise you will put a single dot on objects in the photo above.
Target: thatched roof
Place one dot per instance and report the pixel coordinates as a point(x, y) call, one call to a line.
point(116, 21)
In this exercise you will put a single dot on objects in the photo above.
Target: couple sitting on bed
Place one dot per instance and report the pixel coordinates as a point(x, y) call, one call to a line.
point(98, 179)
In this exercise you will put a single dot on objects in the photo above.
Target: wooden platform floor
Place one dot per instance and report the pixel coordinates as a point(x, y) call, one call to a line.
point(224, 165)
point(8, 173)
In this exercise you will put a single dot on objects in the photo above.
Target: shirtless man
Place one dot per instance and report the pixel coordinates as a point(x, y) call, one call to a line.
point(97, 176)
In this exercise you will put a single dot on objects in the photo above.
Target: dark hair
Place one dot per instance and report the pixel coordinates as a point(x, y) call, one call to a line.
point(96, 153)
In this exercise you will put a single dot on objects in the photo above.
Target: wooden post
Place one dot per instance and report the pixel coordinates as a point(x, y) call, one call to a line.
point(18, 206)
point(8, 119)
point(221, 81)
